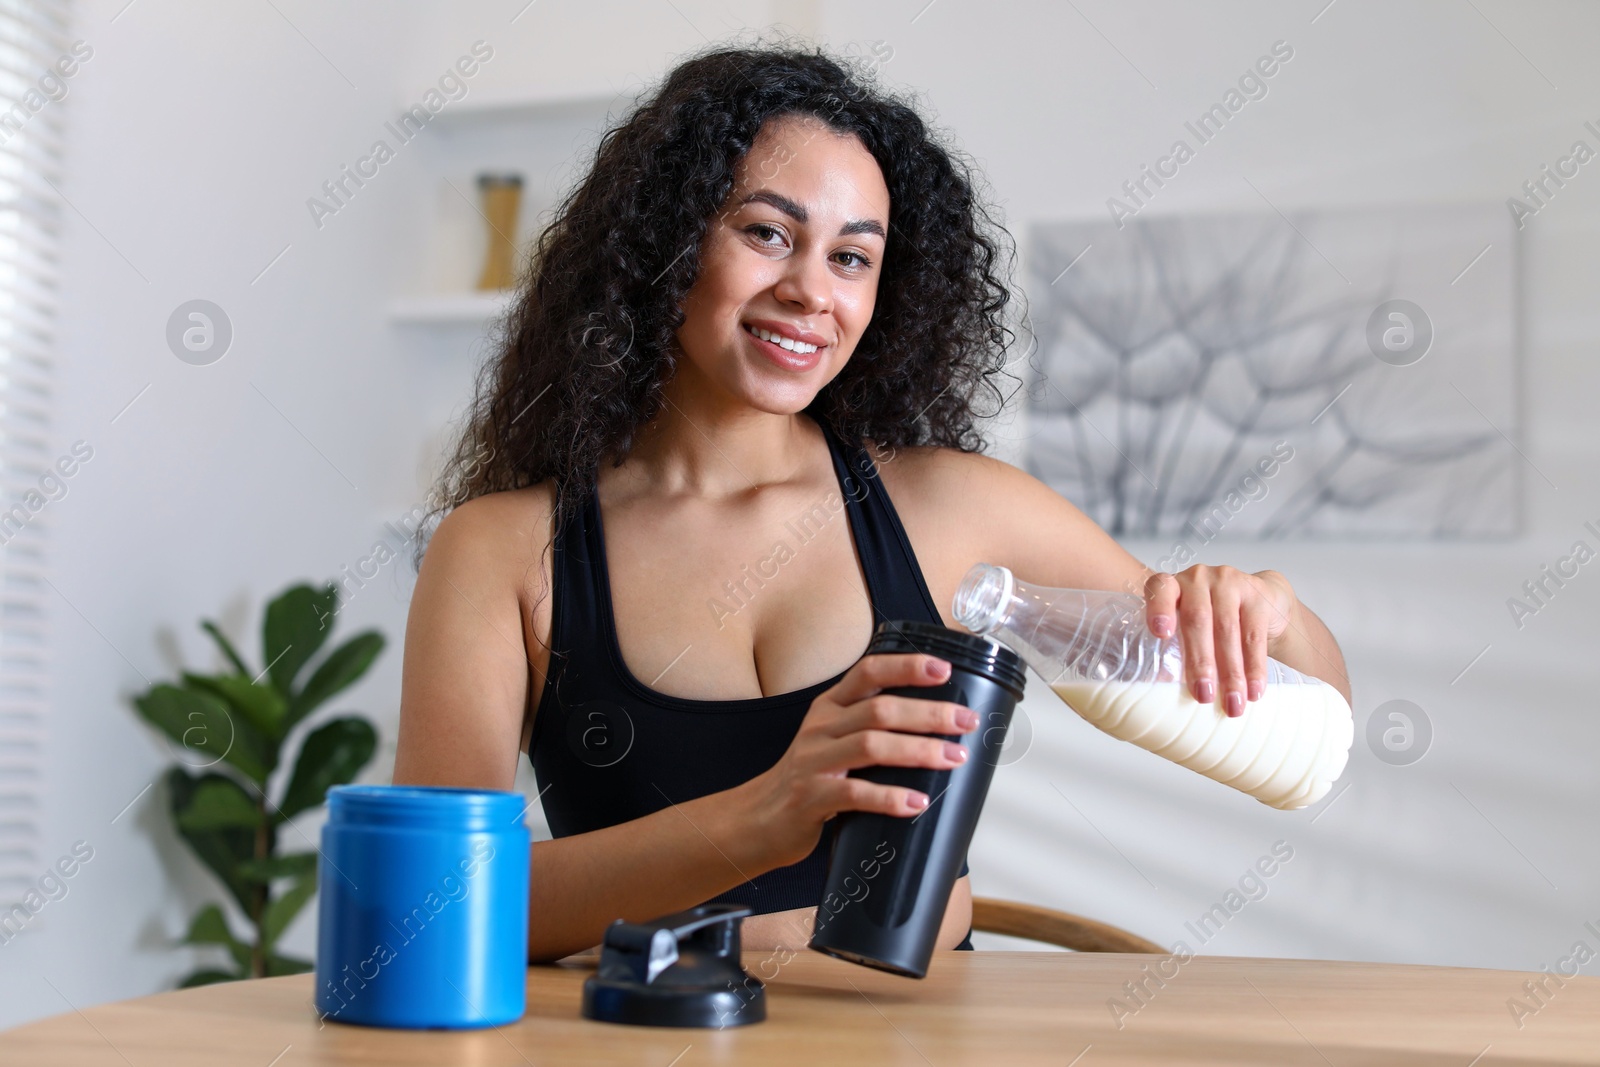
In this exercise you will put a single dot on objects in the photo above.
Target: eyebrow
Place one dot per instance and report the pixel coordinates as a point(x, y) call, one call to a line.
point(799, 214)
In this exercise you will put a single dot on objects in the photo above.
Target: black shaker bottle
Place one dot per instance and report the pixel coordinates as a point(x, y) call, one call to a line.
point(890, 876)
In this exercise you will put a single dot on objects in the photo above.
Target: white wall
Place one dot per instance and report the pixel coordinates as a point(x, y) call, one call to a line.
point(197, 132)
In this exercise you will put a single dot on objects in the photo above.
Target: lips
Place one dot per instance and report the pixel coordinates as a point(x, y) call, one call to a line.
point(783, 357)
point(793, 331)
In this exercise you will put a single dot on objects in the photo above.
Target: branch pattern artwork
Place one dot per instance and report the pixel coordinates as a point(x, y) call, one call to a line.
point(1247, 375)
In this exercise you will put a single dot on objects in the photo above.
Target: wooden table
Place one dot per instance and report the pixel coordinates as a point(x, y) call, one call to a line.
point(974, 1007)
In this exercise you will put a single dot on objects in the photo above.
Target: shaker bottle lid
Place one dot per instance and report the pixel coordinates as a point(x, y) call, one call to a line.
point(678, 970)
point(981, 655)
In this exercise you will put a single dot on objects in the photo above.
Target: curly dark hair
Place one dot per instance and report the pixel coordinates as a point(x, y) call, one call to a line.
point(588, 341)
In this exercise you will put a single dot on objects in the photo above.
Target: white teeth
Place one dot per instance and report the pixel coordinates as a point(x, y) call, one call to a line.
point(781, 341)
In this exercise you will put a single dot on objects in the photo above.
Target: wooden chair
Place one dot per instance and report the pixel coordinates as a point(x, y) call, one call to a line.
point(1053, 927)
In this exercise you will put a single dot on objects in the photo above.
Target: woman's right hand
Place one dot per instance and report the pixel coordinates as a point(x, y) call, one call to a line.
point(854, 724)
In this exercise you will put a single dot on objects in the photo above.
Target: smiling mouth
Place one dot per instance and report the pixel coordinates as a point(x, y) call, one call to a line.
point(800, 349)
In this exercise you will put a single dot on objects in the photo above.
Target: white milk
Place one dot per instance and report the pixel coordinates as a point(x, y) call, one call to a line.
point(1286, 750)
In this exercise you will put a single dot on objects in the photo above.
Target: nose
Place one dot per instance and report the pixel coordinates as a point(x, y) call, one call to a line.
point(806, 283)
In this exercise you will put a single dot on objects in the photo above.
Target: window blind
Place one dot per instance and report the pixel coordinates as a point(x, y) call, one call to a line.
point(34, 36)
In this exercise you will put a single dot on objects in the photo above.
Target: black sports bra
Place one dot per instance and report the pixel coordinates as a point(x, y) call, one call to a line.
point(606, 748)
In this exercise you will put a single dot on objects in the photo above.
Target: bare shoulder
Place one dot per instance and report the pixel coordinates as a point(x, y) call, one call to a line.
point(969, 506)
point(496, 545)
point(949, 480)
point(511, 524)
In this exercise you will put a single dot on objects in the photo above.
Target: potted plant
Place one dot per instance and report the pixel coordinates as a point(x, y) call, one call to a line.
point(232, 727)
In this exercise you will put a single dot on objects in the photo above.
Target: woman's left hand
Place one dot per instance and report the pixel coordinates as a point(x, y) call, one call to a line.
point(1226, 620)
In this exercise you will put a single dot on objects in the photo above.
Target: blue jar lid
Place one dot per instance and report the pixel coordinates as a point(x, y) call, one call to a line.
point(431, 807)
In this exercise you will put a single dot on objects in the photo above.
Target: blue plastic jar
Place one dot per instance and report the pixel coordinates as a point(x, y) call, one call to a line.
point(423, 917)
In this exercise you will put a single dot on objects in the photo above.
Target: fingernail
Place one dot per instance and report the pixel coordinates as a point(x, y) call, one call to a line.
point(1235, 703)
point(1207, 691)
point(938, 668)
point(953, 751)
point(1257, 688)
point(917, 800)
point(966, 718)
point(1161, 625)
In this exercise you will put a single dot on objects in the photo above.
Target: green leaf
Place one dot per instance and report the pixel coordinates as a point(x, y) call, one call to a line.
point(210, 927)
point(340, 670)
point(281, 965)
point(221, 850)
point(281, 910)
point(332, 754)
point(260, 705)
point(292, 865)
point(208, 977)
point(297, 623)
point(202, 722)
point(219, 803)
point(227, 646)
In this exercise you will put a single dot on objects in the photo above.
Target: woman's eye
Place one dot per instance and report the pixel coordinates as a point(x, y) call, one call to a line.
point(762, 230)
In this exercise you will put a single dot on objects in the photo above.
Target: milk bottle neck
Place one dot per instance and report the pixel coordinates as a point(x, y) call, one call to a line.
point(1065, 634)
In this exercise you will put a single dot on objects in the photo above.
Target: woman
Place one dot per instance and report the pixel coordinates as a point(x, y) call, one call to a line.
point(730, 428)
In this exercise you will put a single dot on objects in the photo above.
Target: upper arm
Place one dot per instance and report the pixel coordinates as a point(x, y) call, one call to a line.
point(1017, 521)
point(467, 672)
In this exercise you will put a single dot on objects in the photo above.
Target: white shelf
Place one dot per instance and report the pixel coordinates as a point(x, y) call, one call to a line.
point(483, 131)
point(525, 104)
point(446, 309)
